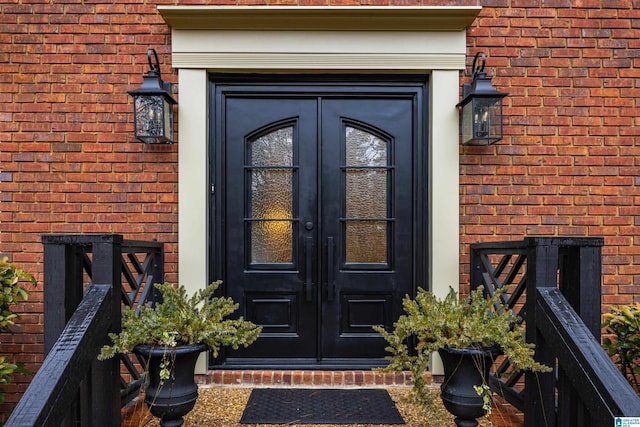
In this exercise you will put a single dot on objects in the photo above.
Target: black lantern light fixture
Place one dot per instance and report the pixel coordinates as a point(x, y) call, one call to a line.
point(153, 106)
point(480, 108)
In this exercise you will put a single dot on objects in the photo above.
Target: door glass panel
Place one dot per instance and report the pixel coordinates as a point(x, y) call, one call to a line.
point(273, 149)
point(364, 148)
point(270, 211)
point(366, 193)
point(366, 241)
point(366, 217)
point(271, 242)
point(271, 193)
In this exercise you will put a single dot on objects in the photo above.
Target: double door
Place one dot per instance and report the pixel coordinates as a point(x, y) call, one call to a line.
point(317, 217)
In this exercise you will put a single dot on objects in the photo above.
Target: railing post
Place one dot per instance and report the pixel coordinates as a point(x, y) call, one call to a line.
point(62, 285)
point(574, 266)
point(105, 375)
point(539, 396)
point(63, 291)
point(580, 279)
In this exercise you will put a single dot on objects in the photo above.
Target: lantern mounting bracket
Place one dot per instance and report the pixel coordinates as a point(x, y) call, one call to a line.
point(154, 69)
point(477, 72)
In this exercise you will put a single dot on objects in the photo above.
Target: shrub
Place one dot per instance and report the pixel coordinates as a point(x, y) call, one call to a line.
point(183, 319)
point(624, 324)
point(475, 322)
point(11, 292)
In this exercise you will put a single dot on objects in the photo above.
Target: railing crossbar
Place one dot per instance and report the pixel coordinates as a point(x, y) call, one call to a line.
point(127, 298)
point(510, 394)
point(514, 379)
point(502, 247)
point(488, 280)
point(144, 296)
point(86, 264)
point(491, 280)
point(502, 264)
point(517, 292)
point(515, 268)
point(128, 275)
point(140, 246)
point(139, 267)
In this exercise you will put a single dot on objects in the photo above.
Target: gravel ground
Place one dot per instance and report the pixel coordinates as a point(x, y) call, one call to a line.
point(223, 407)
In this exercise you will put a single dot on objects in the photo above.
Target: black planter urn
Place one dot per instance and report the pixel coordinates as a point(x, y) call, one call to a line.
point(464, 369)
point(172, 398)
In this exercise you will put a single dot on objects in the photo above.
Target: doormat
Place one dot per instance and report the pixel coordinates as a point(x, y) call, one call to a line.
point(320, 406)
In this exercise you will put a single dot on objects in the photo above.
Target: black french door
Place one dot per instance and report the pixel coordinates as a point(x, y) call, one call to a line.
point(316, 216)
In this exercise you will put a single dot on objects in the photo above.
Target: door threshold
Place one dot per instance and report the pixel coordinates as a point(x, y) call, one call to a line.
point(305, 378)
point(333, 364)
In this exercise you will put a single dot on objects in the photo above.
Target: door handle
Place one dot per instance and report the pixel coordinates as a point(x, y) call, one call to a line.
point(308, 283)
point(331, 287)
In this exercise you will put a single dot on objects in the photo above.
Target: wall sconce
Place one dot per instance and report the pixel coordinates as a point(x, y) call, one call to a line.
point(480, 108)
point(153, 106)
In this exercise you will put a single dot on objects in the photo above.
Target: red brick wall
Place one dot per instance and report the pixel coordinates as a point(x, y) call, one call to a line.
point(68, 160)
point(569, 164)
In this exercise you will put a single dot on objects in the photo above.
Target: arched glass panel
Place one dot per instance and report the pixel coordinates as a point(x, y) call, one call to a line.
point(270, 213)
point(367, 197)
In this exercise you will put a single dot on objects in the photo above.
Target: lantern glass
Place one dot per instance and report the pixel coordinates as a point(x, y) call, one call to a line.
point(153, 119)
point(481, 120)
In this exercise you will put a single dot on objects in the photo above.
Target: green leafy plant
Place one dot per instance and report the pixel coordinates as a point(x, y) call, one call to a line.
point(432, 323)
point(183, 319)
point(485, 391)
point(11, 292)
point(623, 323)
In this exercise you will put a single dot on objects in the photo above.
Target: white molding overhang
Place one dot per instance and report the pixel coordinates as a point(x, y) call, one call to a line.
point(324, 18)
point(272, 38)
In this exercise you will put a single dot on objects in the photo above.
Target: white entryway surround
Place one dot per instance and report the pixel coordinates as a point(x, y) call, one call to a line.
point(357, 40)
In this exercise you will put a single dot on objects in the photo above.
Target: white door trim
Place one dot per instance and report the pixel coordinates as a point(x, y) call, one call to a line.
point(267, 39)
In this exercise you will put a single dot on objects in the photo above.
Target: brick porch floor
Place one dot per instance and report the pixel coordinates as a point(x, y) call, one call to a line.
point(504, 415)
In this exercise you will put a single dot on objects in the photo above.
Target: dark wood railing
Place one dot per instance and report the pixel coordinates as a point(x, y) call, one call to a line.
point(47, 400)
point(87, 278)
point(554, 285)
point(591, 390)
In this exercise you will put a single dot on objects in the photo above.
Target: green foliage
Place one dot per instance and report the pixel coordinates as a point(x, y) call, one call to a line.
point(11, 292)
point(485, 391)
point(6, 371)
point(624, 324)
point(432, 323)
point(183, 319)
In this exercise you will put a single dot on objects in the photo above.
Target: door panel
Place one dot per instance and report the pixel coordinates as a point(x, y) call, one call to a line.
point(268, 161)
point(317, 217)
point(367, 218)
